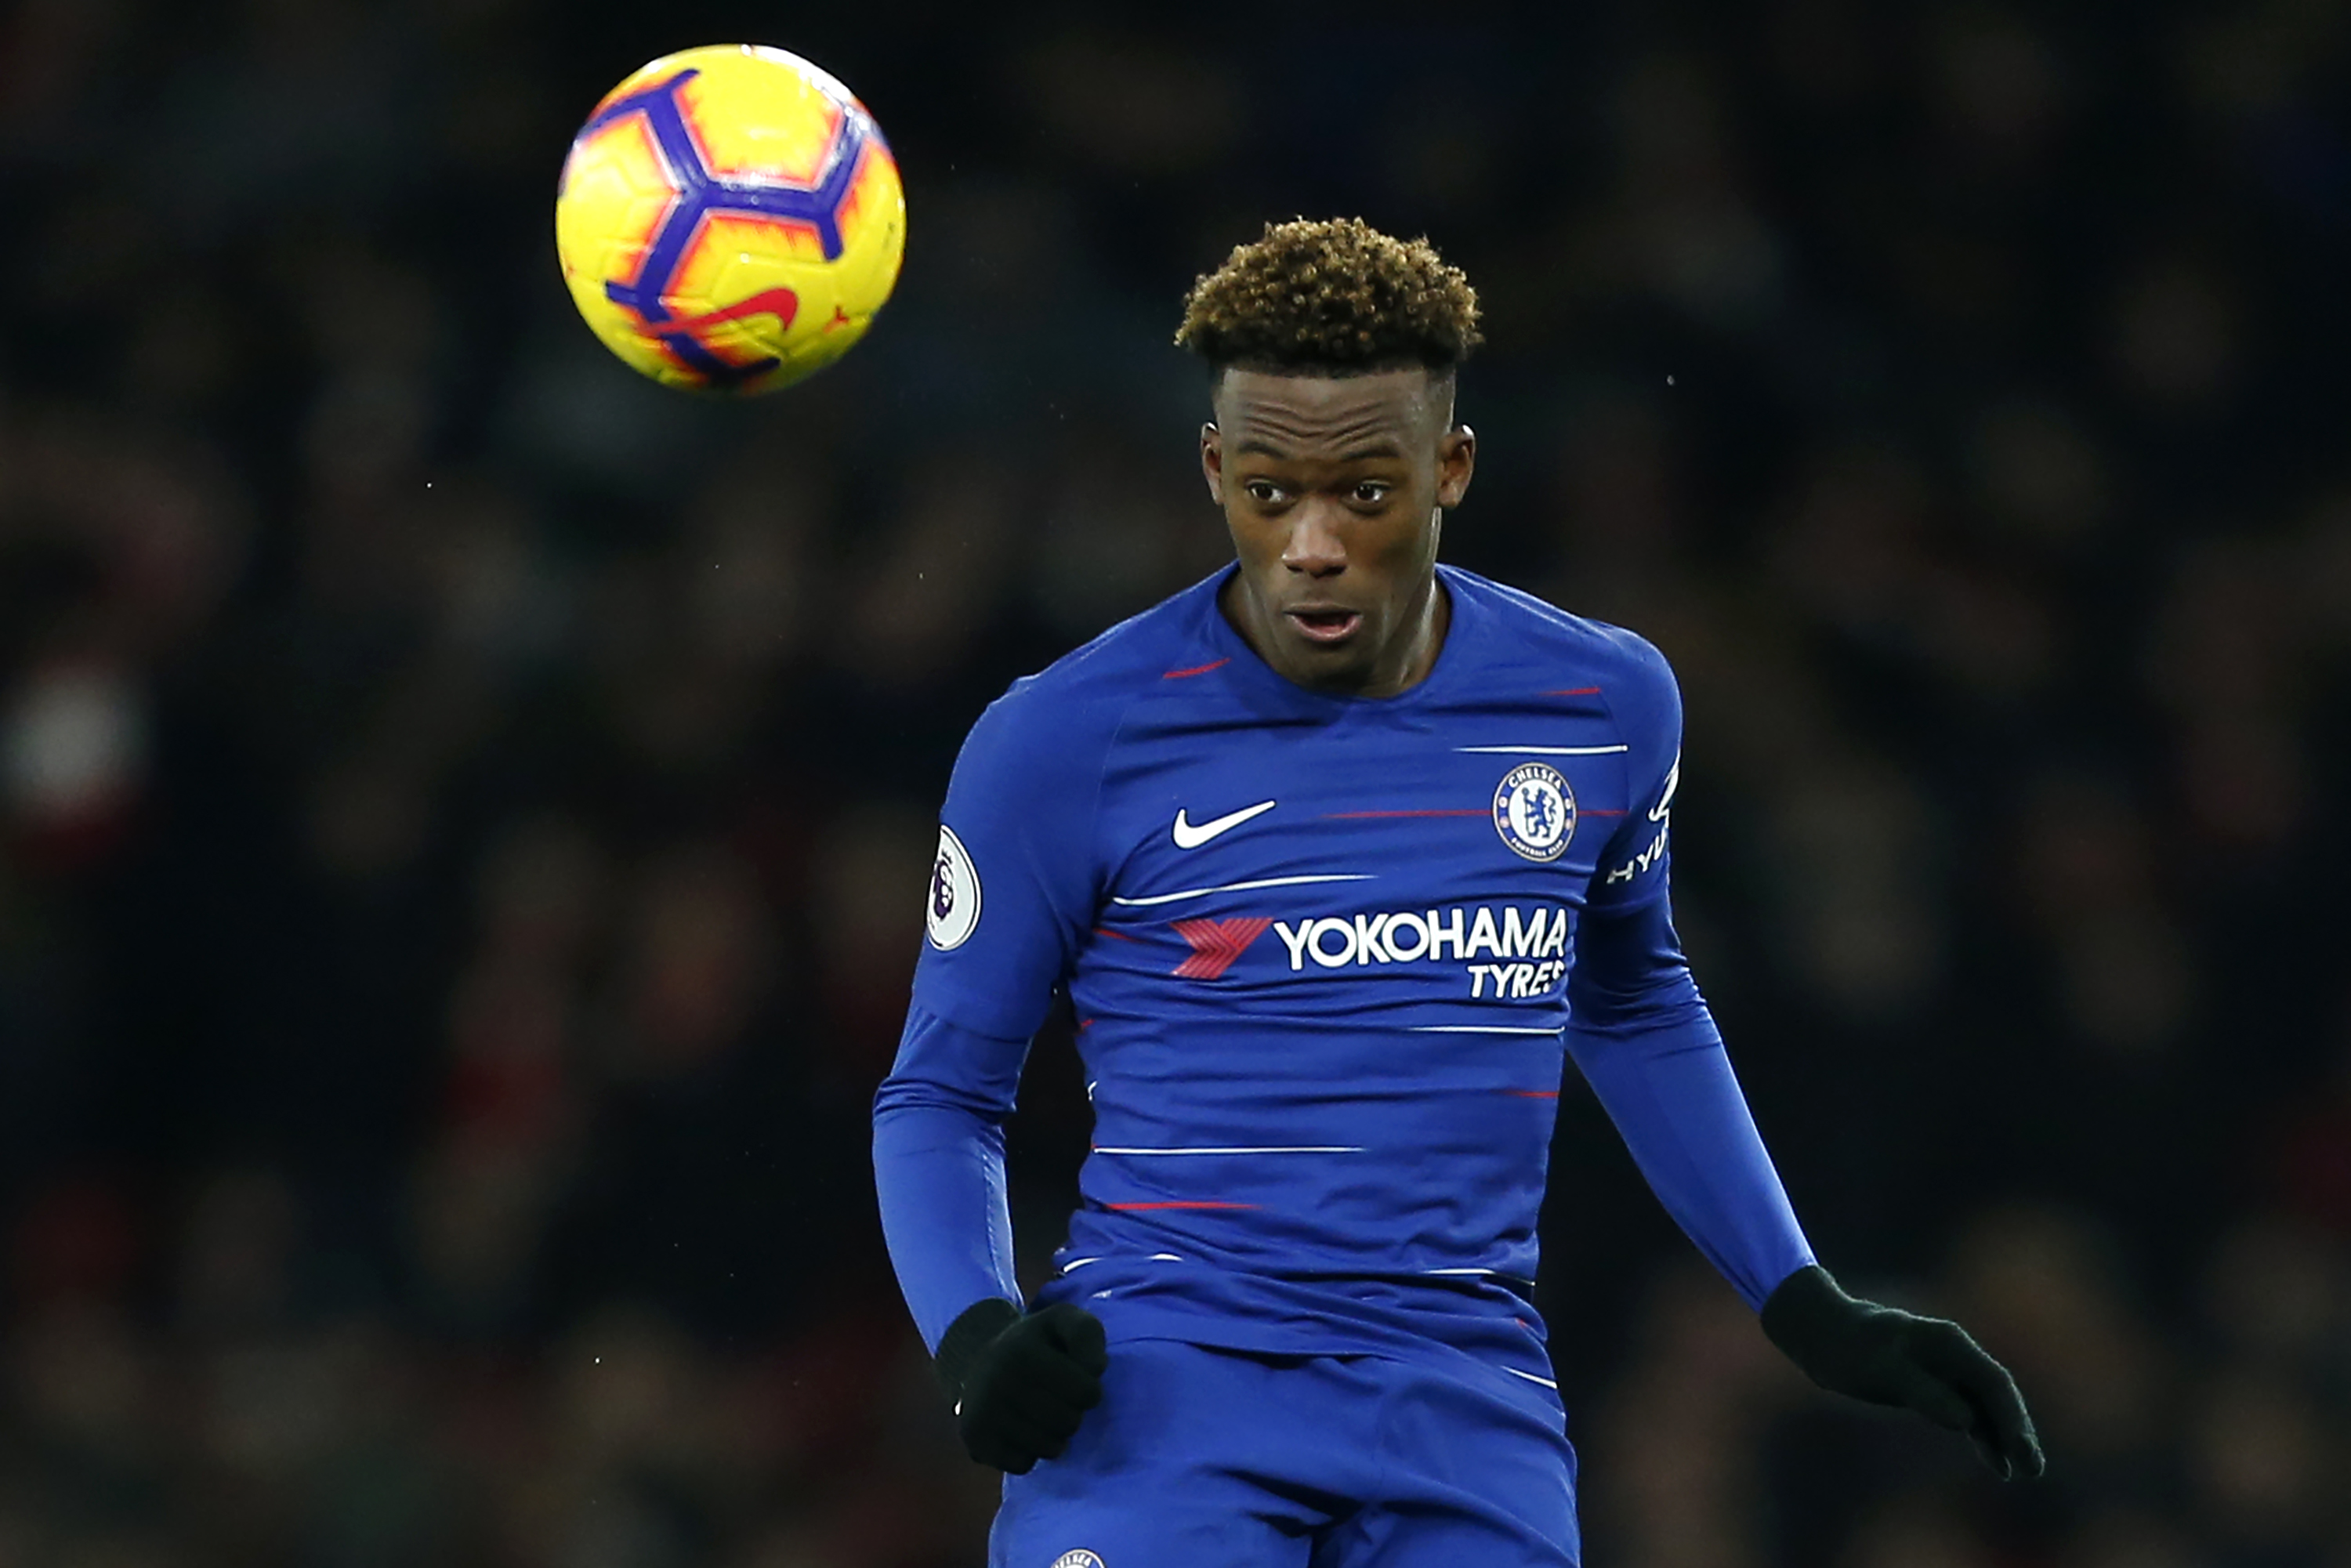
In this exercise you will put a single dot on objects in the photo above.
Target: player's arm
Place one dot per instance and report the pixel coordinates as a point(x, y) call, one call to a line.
point(1012, 890)
point(1641, 1035)
point(1019, 1382)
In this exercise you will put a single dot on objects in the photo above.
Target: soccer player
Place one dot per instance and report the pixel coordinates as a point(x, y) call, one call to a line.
point(1338, 854)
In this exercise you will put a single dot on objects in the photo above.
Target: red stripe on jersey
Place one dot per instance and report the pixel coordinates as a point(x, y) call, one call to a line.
point(1128, 1206)
point(1533, 1093)
point(1575, 692)
point(1196, 669)
point(1216, 943)
point(1447, 811)
point(1597, 811)
point(1106, 931)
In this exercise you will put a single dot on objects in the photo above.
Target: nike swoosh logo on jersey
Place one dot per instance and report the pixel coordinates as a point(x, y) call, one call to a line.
point(1189, 836)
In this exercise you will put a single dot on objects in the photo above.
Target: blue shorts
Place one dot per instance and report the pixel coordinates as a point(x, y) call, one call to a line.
point(1217, 1459)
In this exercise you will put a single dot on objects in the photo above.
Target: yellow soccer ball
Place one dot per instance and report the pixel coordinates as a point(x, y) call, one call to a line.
point(731, 219)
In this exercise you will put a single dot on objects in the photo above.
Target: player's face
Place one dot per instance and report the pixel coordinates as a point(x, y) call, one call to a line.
point(1334, 488)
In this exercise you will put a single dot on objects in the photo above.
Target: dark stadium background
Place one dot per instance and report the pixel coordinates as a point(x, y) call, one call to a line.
point(463, 811)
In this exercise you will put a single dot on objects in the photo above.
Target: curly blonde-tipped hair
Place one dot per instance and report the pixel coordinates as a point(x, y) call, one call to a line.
point(1330, 294)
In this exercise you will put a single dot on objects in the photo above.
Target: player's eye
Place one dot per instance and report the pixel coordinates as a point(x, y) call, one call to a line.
point(1371, 493)
point(1264, 492)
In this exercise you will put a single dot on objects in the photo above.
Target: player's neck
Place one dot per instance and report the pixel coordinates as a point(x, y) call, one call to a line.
point(1399, 666)
point(1419, 643)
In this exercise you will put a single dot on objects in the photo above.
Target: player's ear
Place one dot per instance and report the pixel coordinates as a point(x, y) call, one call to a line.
point(1456, 459)
point(1212, 460)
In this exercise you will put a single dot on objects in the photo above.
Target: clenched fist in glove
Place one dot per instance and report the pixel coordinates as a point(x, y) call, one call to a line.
point(1021, 1382)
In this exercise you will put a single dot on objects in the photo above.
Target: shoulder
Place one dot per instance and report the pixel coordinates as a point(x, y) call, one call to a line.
point(1629, 670)
point(1076, 703)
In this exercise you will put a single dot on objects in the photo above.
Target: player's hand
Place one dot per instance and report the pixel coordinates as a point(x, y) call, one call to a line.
point(1021, 1383)
point(1888, 1356)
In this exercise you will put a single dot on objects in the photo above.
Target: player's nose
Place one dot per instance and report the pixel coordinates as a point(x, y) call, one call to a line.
point(1314, 546)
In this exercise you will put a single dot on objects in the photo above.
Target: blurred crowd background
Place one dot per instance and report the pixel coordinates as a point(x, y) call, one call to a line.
point(463, 811)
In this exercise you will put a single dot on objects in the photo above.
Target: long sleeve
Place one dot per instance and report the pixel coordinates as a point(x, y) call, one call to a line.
point(938, 1167)
point(1012, 887)
point(1641, 1034)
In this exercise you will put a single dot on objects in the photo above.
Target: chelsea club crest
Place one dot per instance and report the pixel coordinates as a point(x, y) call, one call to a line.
point(1534, 811)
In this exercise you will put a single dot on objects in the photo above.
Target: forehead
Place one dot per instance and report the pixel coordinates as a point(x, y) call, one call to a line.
point(1287, 413)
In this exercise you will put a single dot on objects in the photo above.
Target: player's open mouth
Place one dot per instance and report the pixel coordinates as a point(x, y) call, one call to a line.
point(1325, 625)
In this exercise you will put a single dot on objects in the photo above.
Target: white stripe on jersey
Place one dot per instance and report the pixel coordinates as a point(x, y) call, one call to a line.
point(1241, 887)
point(1531, 1377)
point(1152, 1257)
point(1546, 750)
point(1271, 1149)
point(1478, 1029)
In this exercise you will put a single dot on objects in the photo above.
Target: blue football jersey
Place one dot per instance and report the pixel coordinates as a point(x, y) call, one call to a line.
point(1318, 949)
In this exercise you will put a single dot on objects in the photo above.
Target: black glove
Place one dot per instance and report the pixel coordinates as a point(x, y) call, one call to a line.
point(1021, 1383)
point(1888, 1356)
